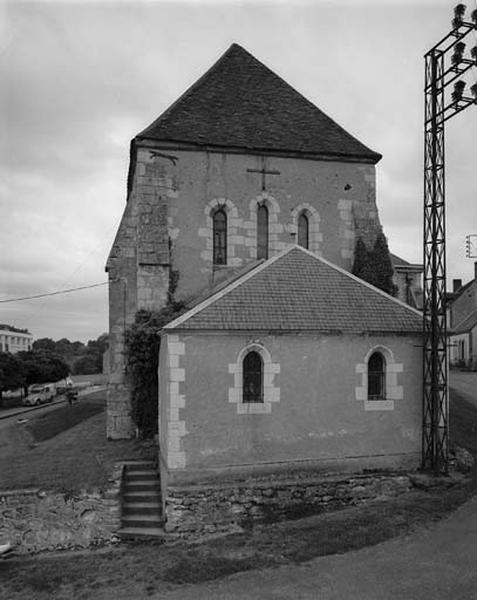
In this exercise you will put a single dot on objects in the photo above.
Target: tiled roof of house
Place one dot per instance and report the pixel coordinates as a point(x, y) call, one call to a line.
point(298, 291)
point(240, 103)
point(466, 324)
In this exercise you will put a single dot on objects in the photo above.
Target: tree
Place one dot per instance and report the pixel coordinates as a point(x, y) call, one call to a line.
point(91, 360)
point(11, 373)
point(42, 366)
point(44, 344)
point(375, 266)
point(361, 260)
point(383, 266)
point(86, 365)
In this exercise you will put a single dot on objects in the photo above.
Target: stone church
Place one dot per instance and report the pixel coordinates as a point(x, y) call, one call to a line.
point(246, 200)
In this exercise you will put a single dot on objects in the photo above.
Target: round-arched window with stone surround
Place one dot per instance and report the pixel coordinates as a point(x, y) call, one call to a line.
point(219, 236)
point(303, 226)
point(252, 377)
point(377, 376)
point(262, 231)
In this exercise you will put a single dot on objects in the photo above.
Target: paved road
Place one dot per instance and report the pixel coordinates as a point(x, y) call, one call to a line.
point(11, 415)
point(465, 382)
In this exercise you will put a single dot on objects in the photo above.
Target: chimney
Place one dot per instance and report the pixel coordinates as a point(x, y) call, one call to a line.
point(456, 285)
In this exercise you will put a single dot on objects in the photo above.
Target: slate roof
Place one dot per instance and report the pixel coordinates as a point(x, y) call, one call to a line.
point(241, 103)
point(298, 291)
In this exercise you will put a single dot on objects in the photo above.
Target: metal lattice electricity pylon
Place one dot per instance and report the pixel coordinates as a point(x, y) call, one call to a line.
point(438, 109)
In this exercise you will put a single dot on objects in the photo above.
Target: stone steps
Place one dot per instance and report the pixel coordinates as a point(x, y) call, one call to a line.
point(141, 514)
point(141, 533)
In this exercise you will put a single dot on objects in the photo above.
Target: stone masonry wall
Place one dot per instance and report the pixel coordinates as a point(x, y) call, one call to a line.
point(34, 520)
point(204, 509)
point(167, 225)
point(138, 269)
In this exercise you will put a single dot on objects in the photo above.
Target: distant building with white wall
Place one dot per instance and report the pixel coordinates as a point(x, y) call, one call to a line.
point(14, 340)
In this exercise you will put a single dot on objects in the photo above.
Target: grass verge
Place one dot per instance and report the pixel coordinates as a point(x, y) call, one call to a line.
point(65, 449)
point(48, 425)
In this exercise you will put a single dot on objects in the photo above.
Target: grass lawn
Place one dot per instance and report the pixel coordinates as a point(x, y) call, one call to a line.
point(65, 449)
point(134, 571)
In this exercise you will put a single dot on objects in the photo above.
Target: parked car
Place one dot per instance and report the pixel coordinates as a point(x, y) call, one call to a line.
point(40, 394)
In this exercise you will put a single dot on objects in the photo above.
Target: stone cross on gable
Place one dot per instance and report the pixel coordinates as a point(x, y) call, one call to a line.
point(264, 172)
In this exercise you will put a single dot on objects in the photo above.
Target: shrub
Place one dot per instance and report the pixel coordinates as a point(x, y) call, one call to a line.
point(142, 352)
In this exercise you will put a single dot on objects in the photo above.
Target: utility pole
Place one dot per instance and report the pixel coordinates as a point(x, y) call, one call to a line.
point(440, 72)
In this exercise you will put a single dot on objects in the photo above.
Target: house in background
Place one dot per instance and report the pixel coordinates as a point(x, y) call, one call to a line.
point(462, 323)
point(13, 339)
point(408, 278)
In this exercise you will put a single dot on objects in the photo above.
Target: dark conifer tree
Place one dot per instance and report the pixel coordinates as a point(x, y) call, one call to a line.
point(382, 266)
point(375, 266)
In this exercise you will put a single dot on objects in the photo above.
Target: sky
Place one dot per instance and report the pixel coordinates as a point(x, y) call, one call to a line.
point(80, 79)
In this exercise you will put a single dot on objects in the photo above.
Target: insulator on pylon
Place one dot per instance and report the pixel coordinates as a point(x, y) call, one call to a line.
point(473, 53)
point(459, 87)
point(473, 16)
point(458, 53)
point(459, 10)
point(473, 89)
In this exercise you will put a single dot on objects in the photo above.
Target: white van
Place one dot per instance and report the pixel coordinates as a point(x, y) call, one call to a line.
point(40, 393)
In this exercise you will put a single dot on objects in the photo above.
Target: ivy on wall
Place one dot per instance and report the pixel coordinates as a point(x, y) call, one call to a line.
point(142, 353)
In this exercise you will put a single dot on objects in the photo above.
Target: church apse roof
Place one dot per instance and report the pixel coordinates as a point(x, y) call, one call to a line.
point(299, 291)
point(240, 103)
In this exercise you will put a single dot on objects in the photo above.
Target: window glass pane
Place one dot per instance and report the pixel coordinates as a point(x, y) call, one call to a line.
point(262, 232)
point(252, 377)
point(303, 230)
point(376, 377)
point(220, 237)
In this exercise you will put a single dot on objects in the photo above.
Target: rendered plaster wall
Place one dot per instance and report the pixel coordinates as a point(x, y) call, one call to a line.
point(317, 414)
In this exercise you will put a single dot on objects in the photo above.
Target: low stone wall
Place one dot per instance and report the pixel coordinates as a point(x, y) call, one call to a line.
point(34, 520)
point(202, 509)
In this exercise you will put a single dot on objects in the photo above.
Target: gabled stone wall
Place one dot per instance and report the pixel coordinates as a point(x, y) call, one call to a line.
point(166, 230)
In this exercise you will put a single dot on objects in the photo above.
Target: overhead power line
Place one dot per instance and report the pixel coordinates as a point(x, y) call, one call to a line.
point(85, 287)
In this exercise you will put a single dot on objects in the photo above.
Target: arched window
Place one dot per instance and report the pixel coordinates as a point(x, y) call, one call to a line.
point(220, 237)
point(303, 226)
point(252, 373)
point(376, 377)
point(262, 231)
